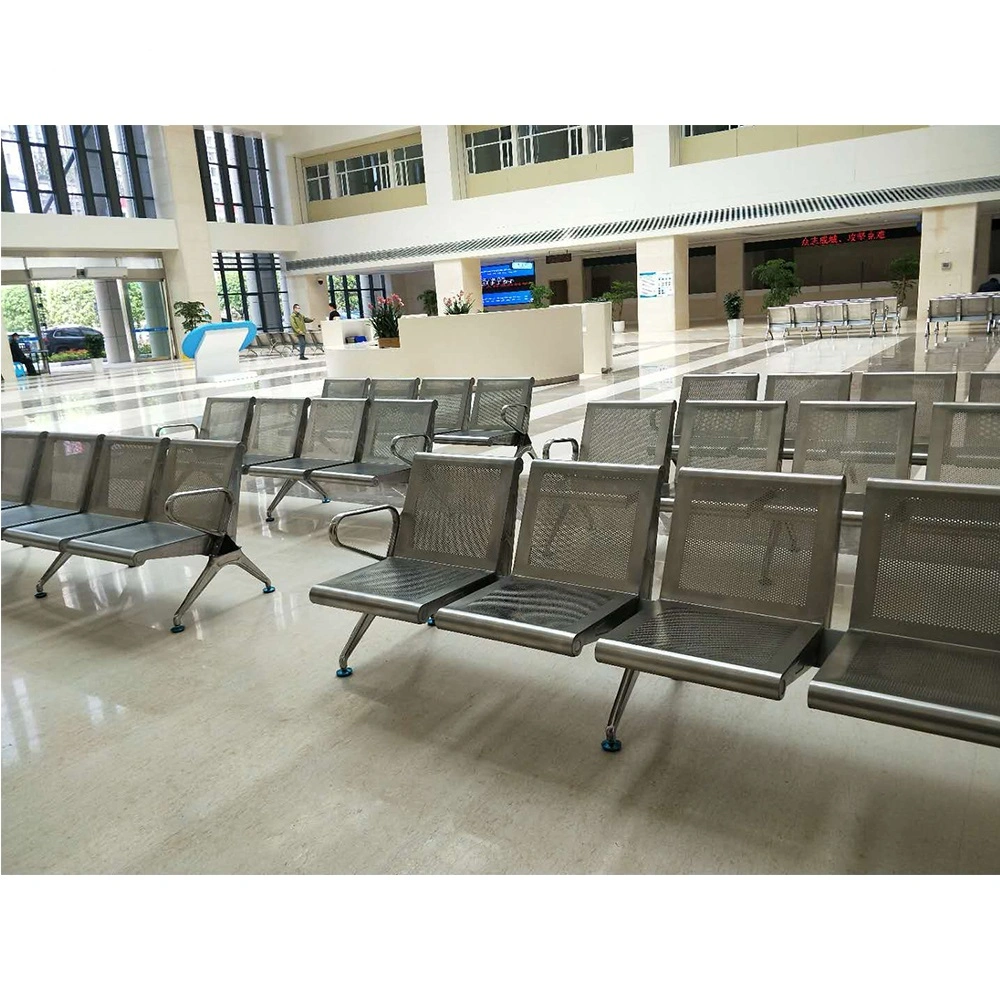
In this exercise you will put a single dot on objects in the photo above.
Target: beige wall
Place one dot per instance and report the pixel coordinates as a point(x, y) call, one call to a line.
point(366, 204)
point(570, 271)
point(451, 276)
point(947, 253)
point(533, 175)
point(750, 139)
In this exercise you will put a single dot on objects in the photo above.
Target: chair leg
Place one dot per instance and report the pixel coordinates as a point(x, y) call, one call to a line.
point(611, 743)
point(204, 579)
point(246, 564)
point(54, 568)
point(278, 497)
point(317, 488)
point(364, 621)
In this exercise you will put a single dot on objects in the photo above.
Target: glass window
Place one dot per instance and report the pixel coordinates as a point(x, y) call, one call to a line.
point(408, 165)
point(252, 286)
point(691, 130)
point(363, 174)
point(235, 164)
point(489, 150)
point(355, 294)
point(318, 182)
point(545, 143)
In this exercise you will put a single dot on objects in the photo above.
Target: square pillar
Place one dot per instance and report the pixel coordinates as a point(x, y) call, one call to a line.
point(310, 291)
point(453, 276)
point(666, 310)
point(947, 253)
point(728, 272)
point(444, 163)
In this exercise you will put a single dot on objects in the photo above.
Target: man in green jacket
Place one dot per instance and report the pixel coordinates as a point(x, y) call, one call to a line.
point(299, 329)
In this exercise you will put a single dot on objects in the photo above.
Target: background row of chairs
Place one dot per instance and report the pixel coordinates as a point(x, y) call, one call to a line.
point(747, 587)
point(966, 308)
point(834, 315)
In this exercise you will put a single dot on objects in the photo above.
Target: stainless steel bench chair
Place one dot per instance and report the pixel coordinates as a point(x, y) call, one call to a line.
point(860, 441)
point(194, 511)
point(226, 418)
point(346, 388)
point(923, 647)
point(584, 557)
point(976, 308)
point(887, 312)
point(965, 444)
point(501, 412)
point(278, 344)
point(779, 320)
point(22, 453)
point(314, 342)
point(629, 433)
point(941, 310)
point(712, 387)
point(393, 388)
point(860, 315)
point(455, 535)
point(739, 434)
point(924, 388)
point(793, 388)
point(332, 437)
point(276, 431)
point(454, 399)
point(805, 319)
point(62, 481)
point(747, 589)
point(830, 316)
point(395, 431)
point(984, 387)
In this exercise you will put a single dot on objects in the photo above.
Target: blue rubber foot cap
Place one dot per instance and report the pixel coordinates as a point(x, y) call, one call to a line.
point(269, 589)
point(612, 746)
point(268, 518)
point(431, 622)
point(326, 499)
point(40, 593)
point(345, 672)
point(176, 628)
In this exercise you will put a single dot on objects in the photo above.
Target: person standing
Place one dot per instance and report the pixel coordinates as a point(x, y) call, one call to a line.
point(17, 354)
point(299, 329)
point(334, 312)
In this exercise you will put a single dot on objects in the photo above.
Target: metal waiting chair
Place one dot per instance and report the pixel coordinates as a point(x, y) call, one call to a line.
point(860, 315)
point(793, 388)
point(346, 388)
point(779, 320)
point(860, 441)
point(924, 388)
point(629, 433)
point(393, 388)
point(984, 387)
point(501, 413)
point(585, 555)
point(805, 319)
point(194, 511)
point(332, 436)
point(226, 418)
point(717, 387)
point(887, 311)
point(276, 431)
point(22, 452)
point(747, 590)
point(830, 316)
point(395, 431)
point(454, 536)
point(941, 310)
point(976, 308)
point(454, 399)
point(62, 481)
point(965, 443)
point(923, 647)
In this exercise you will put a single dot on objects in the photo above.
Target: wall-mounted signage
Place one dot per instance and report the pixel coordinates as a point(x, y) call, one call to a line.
point(861, 236)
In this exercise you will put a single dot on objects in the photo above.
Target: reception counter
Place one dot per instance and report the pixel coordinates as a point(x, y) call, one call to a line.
point(545, 343)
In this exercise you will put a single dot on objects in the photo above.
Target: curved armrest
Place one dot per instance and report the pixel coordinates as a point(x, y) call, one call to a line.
point(572, 441)
point(218, 529)
point(518, 426)
point(335, 524)
point(403, 437)
point(165, 427)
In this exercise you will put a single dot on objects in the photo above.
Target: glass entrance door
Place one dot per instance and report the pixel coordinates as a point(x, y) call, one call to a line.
point(149, 326)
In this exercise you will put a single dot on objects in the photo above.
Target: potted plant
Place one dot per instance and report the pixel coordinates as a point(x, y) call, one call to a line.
point(385, 320)
point(458, 304)
point(429, 301)
point(541, 296)
point(903, 273)
point(94, 345)
point(616, 295)
point(191, 314)
point(781, 280)
point(732, 302)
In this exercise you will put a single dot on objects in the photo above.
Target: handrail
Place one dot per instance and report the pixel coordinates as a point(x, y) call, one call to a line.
point(334, 537)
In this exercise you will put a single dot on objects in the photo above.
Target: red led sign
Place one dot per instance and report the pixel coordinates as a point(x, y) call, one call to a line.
point(862, 236)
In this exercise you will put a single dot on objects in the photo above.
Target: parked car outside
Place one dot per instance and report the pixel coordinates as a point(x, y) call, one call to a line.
point(67, 338)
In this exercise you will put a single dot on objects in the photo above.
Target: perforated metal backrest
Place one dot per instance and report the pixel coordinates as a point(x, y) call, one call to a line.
point(929, 563)
point(277, 426)
point(887, 305)
point(858, 313)
point(460, 510)
point(715, 387)
point(984, 387)
point(733, 435)
point(454, 396)
point(975, 307)
point(199, 465)
point(127, 470)
point(627, 433)
point(227, 418)
point(333, 429)
point(66, 470)
point(493, 394)
point(22, 452)
point(831, 313)
point(393, 388)
point(861, 441)
point(803, 315)
point(346, 388)
point(943, 309)
point(779, 315)
point(924, 388)
point(590, 524)
point(389, 418)
point(965, 443)
point(814, 385)
point(759, 542)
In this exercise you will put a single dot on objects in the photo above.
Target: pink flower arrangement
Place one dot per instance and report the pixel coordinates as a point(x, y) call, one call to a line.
point(457, 304)
point(385, 316)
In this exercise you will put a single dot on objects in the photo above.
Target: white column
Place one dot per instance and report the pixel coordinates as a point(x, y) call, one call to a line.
point(111, 319)
point(443, 164)
point(669, 312)
point(947, 253)
point(653, 148)
point(452, 276)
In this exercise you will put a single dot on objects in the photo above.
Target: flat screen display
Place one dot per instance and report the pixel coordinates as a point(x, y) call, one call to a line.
point(507, 284)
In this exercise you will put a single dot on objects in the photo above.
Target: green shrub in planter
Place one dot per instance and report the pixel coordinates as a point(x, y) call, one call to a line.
point(93, 345)
point(732, 302)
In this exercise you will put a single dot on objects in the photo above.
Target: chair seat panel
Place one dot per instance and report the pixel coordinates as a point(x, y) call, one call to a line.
point(292, 468)
point(361, 472)
point(138, 542)
point(6, 504)
point(252, 460)
point(407, 589)
point(483, 436)
point(54, 532)
point(29, 512)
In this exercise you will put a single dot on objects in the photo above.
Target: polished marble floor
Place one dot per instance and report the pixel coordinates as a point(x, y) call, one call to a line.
point(233, 748)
